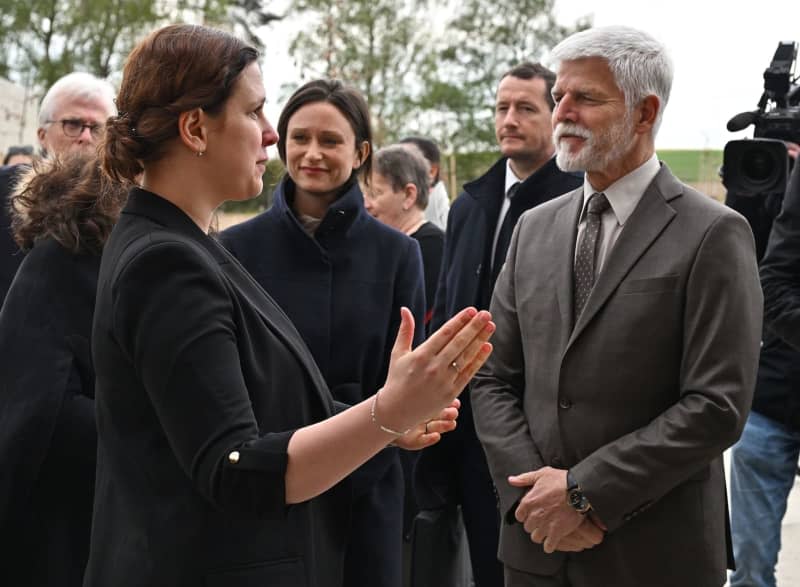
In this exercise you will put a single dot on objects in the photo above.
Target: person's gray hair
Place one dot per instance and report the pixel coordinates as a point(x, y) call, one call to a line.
point(80, 86)
point(404, 164)
point(639, 63)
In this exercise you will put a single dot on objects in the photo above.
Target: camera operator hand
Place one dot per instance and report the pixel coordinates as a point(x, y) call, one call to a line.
point(793, 149)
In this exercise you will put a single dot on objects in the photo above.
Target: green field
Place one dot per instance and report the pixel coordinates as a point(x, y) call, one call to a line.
point(693, 166)
point(697, 167)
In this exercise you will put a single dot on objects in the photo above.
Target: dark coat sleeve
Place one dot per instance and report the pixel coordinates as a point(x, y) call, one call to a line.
point(780, 268)
point(440, 316)
point(173, 317)
point(410, 293)
point(32, 390)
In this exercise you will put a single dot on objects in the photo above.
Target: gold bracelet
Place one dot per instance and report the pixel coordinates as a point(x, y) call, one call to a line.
point(378, 424)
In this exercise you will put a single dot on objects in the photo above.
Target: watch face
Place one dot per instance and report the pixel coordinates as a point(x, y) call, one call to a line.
point(577, 500)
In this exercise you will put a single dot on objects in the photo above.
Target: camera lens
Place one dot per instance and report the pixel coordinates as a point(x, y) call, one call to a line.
point(758, 165)
point(755, 167)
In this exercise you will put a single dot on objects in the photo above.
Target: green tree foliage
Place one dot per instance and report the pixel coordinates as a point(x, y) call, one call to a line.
point(426, 67)
point(482, 40)
point(376, 45)
point(45, 39)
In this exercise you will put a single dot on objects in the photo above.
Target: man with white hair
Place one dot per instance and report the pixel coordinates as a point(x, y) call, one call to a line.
point(72, 117)
point(628, 326)
point(74, 112)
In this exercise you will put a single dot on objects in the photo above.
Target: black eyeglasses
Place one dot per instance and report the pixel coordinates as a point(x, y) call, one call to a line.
point(73, 127)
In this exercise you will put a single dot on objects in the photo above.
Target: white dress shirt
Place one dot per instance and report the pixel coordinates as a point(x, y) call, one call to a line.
point(511, 180)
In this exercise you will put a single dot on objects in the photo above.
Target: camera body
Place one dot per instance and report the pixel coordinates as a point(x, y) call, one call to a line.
point(755, 171)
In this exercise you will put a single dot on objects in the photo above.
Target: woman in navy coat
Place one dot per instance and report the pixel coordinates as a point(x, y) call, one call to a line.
point(63, 213)
point(341, 276)
point(221, 452)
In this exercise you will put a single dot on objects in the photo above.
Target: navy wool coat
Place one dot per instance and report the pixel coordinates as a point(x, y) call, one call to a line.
point(342, 288)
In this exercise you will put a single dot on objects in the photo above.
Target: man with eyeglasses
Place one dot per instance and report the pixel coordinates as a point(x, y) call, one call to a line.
point(72, 117)
point(73, 113)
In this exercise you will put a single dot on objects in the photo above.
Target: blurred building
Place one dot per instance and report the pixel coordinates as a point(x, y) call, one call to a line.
point(18, 116)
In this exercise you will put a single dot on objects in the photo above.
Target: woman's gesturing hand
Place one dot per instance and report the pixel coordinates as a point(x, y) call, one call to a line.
point(424, 381)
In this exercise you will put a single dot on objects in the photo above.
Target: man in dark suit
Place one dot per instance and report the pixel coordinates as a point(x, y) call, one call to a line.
point(478, 231)
point(628, 327)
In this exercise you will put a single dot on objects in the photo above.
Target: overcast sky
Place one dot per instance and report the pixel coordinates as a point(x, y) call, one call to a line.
point(720, 50)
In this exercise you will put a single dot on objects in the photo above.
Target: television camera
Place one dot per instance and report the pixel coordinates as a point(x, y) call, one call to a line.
point(755, 171)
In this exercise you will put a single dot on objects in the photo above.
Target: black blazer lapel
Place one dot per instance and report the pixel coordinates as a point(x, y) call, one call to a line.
point(649, 219)
point(163, 212)
point(277, 320)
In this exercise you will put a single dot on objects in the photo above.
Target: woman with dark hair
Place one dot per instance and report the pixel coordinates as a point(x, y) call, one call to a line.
point(342, 278)
point(221, 453)
point(62, 212)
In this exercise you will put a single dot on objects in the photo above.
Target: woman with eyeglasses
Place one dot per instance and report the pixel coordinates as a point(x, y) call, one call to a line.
point(63, 211)
point(222, 455)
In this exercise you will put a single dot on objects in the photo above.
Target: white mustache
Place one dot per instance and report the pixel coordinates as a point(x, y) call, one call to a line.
point(570, 128)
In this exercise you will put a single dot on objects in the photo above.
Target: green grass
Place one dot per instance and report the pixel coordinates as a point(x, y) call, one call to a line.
point(692, 166)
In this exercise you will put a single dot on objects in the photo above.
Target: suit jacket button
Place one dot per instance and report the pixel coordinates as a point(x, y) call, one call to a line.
point(564, 403)
point(233, 457)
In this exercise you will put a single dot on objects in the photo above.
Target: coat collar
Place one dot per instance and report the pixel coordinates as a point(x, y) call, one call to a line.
point(646, 223)
point(161, 211)
point(339, 218)
point(489, 189)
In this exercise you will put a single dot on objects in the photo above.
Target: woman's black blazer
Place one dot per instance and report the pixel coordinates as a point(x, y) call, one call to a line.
point(201, 381)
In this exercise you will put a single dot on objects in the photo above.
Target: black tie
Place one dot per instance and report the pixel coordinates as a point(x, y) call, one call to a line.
point(585, 260)
point(504, 236)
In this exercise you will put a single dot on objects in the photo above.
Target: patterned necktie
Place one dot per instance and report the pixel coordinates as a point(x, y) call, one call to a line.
point(504, 235)
point(584, 270)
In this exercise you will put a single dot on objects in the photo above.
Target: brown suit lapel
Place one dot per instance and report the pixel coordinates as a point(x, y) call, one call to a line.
point(651, 216)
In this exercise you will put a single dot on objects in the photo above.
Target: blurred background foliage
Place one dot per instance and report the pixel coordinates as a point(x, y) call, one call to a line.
point(426, 68)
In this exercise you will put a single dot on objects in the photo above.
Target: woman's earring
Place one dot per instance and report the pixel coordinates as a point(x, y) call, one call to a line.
point(200, 153)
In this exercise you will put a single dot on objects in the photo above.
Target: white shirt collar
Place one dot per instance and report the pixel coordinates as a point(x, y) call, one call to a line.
point(625, 193)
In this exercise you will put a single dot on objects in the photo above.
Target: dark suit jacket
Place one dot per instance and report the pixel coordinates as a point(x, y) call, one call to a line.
point(465, 280)
point(194, 360)
point(47, 424)
point(777, 394)
point(466, 274)
point(641, 398)
point(780, 268)
point(10, 255)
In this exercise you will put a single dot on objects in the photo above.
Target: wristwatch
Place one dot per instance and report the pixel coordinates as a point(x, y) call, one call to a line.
point(575, 497)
